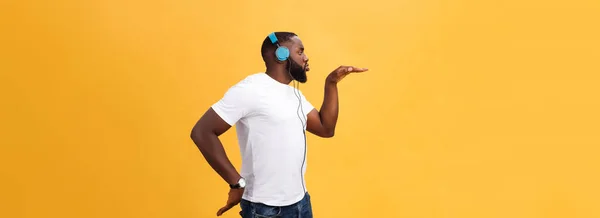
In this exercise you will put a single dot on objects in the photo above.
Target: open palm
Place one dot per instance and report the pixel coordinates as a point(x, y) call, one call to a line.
point(338, 74)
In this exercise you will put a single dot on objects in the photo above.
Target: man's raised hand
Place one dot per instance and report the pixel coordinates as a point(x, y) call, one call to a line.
point(338, 74)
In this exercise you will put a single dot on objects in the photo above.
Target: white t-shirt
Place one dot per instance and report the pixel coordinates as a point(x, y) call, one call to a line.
point(270, 129)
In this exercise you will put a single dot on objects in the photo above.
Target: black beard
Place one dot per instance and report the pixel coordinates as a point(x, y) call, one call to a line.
point(297, 72)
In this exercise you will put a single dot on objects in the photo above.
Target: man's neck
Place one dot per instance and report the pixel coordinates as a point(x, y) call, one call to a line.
point(279, 74)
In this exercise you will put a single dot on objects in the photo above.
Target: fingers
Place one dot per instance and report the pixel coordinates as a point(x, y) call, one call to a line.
point(235, 196)
point(342, 71)
point(351, 69)
point(357, 69)
point(360, 69)
point(224, 209)
point(228, 206)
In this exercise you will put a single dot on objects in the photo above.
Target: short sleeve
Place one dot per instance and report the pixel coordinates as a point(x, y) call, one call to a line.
point(307, 107)
point(234, 105)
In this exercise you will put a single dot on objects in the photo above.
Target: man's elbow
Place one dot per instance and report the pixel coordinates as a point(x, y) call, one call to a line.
point(194, 134)
point(328, 134)
point(197, 135)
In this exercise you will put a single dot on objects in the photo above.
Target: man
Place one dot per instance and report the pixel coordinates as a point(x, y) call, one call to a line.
point(271, 118)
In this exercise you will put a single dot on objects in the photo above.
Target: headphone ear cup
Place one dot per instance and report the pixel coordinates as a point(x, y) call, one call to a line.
point(282, 53)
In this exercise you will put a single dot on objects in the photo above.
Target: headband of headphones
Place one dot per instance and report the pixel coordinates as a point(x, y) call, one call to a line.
point(273, 38)
point(282, 53)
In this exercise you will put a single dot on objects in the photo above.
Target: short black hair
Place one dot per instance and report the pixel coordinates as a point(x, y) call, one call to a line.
point(268, 48)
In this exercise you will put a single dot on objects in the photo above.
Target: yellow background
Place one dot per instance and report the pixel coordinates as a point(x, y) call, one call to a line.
point(485, 109)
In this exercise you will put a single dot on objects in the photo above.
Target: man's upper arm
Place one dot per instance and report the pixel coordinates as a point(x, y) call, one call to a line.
point(313, 119)
point(223, 114)
point(211, 122)
point(314, 124)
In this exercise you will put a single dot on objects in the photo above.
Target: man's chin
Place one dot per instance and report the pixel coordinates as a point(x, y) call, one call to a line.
point(302, 79)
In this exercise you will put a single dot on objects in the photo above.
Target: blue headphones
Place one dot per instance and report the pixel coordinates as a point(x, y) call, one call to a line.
point(282, 53)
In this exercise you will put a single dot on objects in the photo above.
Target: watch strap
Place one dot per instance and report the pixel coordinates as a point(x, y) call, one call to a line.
point(237, 185)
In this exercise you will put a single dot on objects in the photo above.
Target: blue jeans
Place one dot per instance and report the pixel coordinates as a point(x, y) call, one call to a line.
point(301, 209)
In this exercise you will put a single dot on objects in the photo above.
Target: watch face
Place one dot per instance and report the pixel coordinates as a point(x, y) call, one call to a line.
point(242, 182)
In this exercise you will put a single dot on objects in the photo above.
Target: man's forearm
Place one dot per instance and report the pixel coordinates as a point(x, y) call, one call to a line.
point(211, 148)
point(330, 108)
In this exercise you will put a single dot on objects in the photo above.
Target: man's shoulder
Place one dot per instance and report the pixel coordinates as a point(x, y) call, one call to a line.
point(246, 85)
point(250, 80)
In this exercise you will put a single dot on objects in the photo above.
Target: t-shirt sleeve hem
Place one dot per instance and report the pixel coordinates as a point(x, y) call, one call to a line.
point(223, 115)
point(308, 109)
